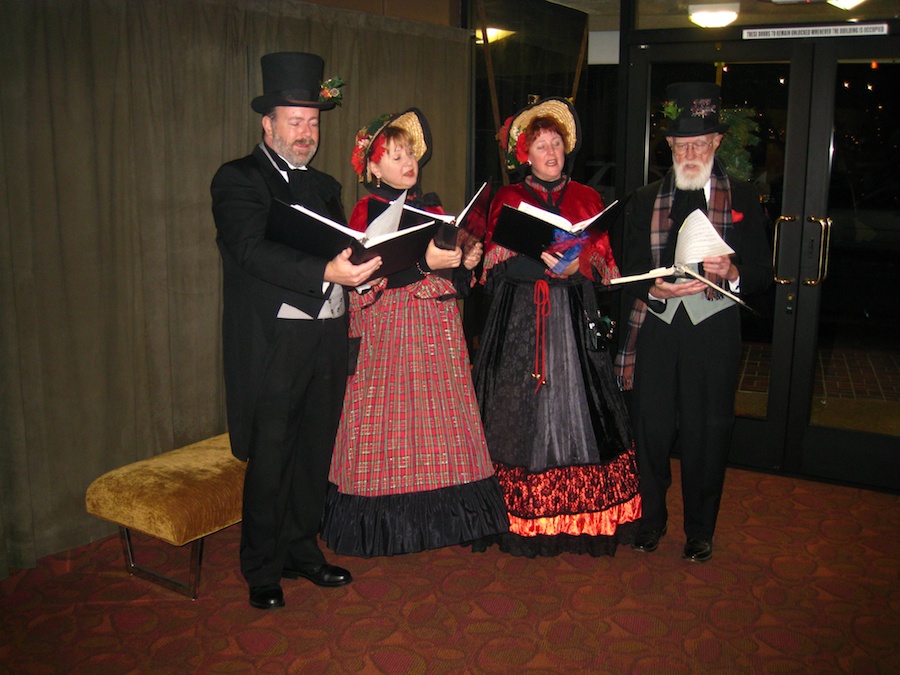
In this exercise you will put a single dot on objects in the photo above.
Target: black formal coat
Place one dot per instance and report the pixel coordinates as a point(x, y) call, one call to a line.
point(260, 275)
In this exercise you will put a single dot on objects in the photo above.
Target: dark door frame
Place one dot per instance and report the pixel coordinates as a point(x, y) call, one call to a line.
point(784, 441)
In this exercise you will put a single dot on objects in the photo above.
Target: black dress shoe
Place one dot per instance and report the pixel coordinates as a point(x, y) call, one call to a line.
point(266, 597)
point(321, 575)
point(697, 550)
point(648, 540)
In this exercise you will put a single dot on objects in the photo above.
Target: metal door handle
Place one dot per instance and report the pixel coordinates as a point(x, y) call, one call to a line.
point(824, 251)
point(778, 223)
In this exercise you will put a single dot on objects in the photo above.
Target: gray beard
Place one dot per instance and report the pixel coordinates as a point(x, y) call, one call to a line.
point(286, 150)
point(694, 182)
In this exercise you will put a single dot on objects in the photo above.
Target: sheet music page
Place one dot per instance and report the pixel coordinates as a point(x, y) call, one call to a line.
point(552, 218)
point(372, 241)
point(698, 239)
point(389, 219)
point(462, 214)
point(443, 217)
point(582, 225)
point(328, 221)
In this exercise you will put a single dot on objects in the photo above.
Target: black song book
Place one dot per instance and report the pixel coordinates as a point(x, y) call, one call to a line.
point(314, 234)
point(530, 230)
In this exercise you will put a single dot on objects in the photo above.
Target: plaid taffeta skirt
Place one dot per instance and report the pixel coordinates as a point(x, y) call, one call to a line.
point(411, 470)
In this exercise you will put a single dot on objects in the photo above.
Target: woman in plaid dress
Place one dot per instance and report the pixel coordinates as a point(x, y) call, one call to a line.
point(554, 419)
point(411, 470)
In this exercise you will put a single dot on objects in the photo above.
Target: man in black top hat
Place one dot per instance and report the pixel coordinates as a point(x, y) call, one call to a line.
point(284, 332)
point(683, 347)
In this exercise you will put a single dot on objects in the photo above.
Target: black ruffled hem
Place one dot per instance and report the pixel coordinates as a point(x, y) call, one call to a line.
point(552, 545)
point(408, 523)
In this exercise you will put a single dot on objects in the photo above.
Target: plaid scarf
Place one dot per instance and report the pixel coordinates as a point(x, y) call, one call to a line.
point(719, 213)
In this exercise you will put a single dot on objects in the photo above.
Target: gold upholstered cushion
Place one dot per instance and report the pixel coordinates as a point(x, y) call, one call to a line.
point(177, 496)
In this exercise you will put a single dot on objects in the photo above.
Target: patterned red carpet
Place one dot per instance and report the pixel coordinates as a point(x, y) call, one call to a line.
point(804, 579)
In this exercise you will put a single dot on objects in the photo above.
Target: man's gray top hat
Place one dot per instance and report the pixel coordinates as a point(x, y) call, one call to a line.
point(693, 109)
point(291, 78)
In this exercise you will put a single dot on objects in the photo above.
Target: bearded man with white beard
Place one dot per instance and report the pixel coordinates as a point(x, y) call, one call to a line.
point(682, 351)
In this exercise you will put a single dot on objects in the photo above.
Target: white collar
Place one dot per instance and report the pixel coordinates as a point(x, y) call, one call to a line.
point(268, 153)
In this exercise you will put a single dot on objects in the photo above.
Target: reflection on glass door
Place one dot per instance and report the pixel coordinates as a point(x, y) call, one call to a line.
point(857, 381)
point(755, 103)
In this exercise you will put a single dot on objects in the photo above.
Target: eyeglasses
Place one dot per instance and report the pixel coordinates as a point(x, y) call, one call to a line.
point(700, 147)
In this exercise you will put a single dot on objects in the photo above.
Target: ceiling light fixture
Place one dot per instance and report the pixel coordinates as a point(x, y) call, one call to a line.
point(845, 4)
point(494, 34)
point(714, 16)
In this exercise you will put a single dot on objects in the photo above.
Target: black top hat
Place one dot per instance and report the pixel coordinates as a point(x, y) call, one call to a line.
point(693, 108)
point(293, 78)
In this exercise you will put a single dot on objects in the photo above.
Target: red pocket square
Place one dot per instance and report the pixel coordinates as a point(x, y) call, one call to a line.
point(736, 216)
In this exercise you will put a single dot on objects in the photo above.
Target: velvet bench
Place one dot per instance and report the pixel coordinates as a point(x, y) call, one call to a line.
point(179, 497)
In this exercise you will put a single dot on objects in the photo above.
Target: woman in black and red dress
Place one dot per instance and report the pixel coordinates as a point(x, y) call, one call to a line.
point(411, 470)
point(554, 419)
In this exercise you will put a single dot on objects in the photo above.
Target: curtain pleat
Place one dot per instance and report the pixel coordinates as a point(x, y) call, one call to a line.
point(114, 115)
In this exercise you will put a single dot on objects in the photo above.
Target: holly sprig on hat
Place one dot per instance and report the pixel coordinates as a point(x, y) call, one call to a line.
point(363, 139)
point(672, 110)
point(330, 90)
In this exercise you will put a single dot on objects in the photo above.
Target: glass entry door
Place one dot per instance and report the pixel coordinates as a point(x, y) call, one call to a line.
point(819, 391)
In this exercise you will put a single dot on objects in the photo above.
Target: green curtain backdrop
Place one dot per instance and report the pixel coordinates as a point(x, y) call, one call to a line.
point(114, 115)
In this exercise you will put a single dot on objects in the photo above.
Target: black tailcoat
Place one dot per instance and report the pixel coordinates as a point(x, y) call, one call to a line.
point(284, 378)
point(259, 275)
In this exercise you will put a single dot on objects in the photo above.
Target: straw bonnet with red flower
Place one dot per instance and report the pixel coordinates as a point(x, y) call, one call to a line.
point(369, 146)
point(512, 136)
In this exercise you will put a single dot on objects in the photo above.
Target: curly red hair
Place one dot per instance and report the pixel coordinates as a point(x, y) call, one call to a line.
point(541, 124)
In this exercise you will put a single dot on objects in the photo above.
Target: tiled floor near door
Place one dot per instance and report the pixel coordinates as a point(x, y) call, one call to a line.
point(840, 373)
point(852, 389)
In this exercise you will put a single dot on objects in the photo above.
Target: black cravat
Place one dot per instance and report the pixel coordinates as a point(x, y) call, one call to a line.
point(296, 178)
point(311, 188)
point(299, 185)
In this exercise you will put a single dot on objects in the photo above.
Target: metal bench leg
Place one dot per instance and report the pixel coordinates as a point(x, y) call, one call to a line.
point(190, 589)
